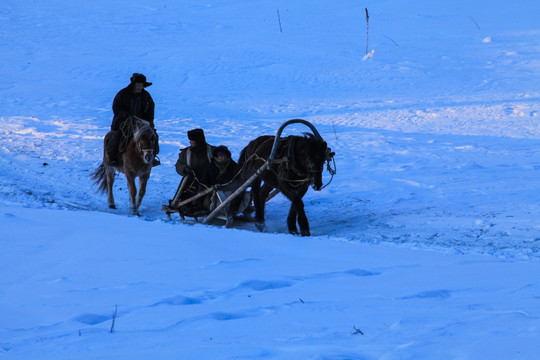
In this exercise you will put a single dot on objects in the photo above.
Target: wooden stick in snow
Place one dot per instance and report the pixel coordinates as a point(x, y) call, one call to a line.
point(367, 31)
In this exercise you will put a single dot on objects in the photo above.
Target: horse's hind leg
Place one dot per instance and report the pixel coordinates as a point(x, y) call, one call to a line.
point(109, 176)
point(303, 222)
point(258, 201)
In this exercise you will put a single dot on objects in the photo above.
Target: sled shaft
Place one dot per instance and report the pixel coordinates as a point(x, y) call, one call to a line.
point(235, 193)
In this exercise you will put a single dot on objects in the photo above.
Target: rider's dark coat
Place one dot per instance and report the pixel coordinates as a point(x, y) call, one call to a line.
point(127, 103)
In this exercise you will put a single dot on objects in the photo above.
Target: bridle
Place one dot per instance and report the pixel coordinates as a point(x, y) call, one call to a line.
point(330, 165)
point(312, 172)
point(144, 151)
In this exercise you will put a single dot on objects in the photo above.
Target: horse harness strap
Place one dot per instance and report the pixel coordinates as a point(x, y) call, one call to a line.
point(290, 163)
point(292, 158)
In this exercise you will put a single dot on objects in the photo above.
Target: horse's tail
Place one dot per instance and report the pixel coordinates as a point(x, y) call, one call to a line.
point(100, 178)
point(243, 161)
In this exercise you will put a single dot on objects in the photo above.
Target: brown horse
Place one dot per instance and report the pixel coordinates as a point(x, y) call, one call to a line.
point(135, 161)
point(299, 163)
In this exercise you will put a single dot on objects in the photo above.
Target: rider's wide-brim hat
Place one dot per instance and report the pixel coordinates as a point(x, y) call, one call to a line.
point(140, 78)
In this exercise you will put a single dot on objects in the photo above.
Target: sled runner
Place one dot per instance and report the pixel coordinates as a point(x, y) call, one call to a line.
point(205, 202)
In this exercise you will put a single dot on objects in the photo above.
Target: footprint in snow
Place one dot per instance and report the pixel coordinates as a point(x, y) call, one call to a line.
point(224, 316)
point(235, 262)
point(361, 272)
point(92, 319)
point(353, 272)
point(435, 294)
point(262, 285)
point(179, 300)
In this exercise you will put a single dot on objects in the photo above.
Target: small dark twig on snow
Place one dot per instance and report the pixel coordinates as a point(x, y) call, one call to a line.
point(279, 21)
point(357, 331)
point(475, 23)
point(395, 43)
point(114, 319)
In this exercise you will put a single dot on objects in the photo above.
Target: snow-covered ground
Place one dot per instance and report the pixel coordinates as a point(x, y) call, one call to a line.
point(426, 244)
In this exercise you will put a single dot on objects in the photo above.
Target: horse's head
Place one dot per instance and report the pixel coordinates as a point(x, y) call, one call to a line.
point(317, 155)
point(145, 138)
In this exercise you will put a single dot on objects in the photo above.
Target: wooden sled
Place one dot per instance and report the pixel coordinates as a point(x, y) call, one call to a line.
point(218, 208)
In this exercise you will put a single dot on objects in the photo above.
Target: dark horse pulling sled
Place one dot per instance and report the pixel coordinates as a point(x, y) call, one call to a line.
point(269, 164)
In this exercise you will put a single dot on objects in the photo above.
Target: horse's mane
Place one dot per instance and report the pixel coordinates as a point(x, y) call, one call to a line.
point(313, 138)
point(143, 130)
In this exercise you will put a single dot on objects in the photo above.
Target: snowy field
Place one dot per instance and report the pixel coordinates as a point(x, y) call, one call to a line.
point(426, 244)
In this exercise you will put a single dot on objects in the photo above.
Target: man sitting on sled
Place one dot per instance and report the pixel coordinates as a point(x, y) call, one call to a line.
point(223, 168)
point(194, 164)
point(207, 171)
point(223, 173)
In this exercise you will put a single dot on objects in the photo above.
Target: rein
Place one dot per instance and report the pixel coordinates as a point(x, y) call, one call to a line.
point(331, 170)
point(127, 132)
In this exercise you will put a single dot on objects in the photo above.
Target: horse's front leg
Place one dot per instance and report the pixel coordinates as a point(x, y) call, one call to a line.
point(109, 177)
point(143, 180)
point(297, 212)
point(291, 220)
point(132, 194)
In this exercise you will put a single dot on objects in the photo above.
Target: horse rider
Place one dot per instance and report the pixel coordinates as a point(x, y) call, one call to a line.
point(133, 100)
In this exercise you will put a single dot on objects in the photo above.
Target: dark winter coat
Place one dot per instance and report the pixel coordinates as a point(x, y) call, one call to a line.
point(198, 161)
point(127, 103)
point(224, 171)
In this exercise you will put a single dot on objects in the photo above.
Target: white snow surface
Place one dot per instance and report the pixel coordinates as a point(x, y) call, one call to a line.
point(425, 245)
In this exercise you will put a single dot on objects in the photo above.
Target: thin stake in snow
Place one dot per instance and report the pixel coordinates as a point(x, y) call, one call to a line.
point(475, 23)
point(114, 319)
point(334, 126)
point(279, 21)
point(367, 31)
